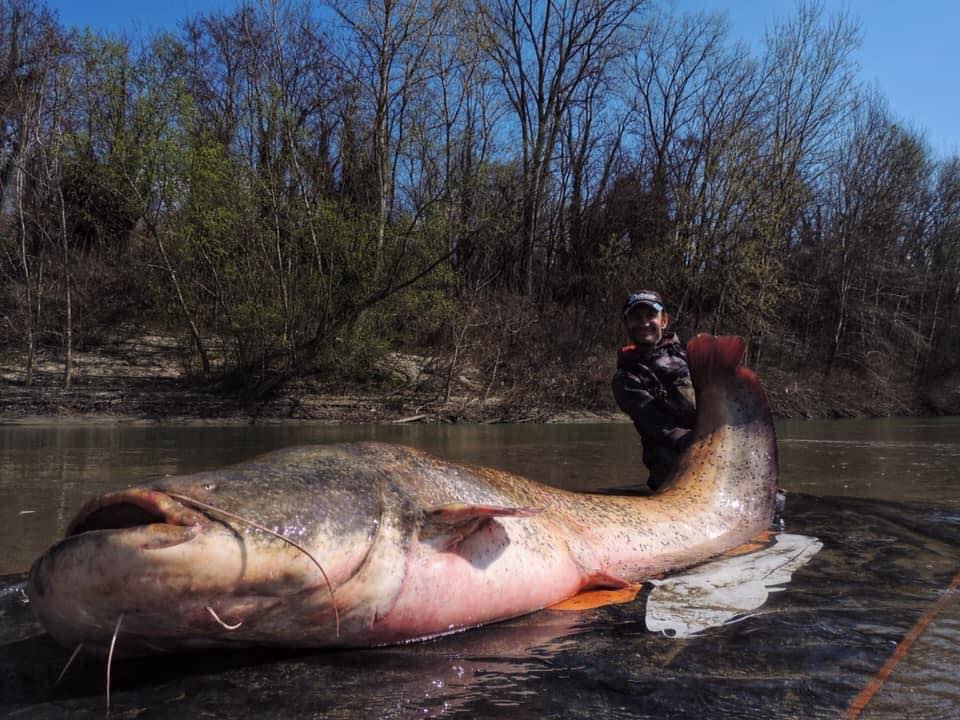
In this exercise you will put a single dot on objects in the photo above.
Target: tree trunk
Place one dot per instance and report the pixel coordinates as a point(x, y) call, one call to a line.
point(68, 300)
point(27, 278)
point(188, 316)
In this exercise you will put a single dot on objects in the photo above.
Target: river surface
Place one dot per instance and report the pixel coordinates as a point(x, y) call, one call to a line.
point(46, 473)
point(882, 496)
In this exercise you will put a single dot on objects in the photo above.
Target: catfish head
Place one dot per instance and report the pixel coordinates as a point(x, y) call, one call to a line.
point(271, 552)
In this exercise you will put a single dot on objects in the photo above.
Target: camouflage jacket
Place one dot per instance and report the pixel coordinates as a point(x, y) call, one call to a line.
point(654, 389)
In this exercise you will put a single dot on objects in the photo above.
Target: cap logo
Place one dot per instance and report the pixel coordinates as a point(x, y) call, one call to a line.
point(644, 297)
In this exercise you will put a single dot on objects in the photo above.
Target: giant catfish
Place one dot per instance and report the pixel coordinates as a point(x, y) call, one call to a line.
point(368, 544)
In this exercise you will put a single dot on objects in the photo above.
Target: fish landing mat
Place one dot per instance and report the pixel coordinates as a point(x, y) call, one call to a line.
point(850, 610)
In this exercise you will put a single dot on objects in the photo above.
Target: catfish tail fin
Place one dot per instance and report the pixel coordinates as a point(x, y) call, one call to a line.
point(714, 362)
point(714, 359)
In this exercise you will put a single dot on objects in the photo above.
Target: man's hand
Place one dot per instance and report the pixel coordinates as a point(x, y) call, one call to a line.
point(681, 438)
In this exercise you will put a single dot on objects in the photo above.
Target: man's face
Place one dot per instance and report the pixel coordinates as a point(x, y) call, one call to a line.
point(645, 325)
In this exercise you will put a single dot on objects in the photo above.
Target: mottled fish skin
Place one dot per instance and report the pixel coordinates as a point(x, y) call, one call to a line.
point(413, 546)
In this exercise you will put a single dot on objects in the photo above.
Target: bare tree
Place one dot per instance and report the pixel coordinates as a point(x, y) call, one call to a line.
point(51, 152)
point(28, 44)
point(388, 44)
point(695, 103)
point(544, 53)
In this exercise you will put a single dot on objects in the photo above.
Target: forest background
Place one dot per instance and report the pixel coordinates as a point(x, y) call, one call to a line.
point(435, 210)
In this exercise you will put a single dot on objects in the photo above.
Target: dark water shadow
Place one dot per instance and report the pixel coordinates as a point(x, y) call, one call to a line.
point(805, 653)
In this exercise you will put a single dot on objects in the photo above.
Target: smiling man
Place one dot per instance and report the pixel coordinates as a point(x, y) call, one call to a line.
point(652, 384)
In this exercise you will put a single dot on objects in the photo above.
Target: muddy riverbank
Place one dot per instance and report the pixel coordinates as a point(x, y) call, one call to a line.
point(147, 380)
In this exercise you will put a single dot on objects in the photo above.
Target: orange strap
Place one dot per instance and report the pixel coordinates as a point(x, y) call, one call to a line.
point(861, 700)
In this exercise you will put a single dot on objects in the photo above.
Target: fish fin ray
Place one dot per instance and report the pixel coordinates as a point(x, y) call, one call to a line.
point(590, 599)
point(711, 359)
point(450, 524)
point(458, 513)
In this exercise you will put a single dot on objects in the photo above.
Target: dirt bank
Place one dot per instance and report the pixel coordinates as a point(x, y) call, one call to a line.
point(147, 380)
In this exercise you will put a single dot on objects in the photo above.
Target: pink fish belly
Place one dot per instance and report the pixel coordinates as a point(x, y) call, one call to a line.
point(498, 572)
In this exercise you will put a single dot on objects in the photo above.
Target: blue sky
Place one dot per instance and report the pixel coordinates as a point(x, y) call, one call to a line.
point(910, 50)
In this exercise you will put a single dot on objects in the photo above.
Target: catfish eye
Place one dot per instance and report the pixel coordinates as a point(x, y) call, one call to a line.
point(209, 486)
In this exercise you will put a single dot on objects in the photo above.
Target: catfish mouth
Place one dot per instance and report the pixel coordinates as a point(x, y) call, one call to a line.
point(145, 510)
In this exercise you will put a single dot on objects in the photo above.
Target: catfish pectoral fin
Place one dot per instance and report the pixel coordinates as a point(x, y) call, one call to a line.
point(459, 513)
point(447, 525)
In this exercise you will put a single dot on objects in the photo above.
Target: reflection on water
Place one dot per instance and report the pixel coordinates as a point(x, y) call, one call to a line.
point(806, 653)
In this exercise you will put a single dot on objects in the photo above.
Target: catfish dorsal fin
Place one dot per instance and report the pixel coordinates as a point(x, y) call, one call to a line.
point(447, 525)
point(712, 359)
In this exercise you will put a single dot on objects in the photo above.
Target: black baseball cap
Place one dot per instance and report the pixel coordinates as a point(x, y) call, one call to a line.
point(644, 297)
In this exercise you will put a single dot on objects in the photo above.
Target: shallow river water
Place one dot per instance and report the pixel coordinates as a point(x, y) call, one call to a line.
point(860, 621)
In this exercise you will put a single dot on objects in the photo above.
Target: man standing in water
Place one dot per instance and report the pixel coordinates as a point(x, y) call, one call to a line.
point(652, 385)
